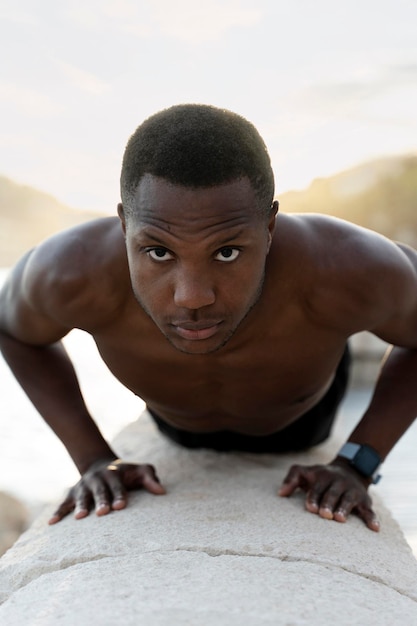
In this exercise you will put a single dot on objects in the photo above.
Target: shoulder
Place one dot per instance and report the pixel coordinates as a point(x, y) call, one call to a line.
point(348, 273)
point(78, 277)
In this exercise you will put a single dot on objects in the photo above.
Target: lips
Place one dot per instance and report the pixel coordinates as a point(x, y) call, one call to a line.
point(196, 331)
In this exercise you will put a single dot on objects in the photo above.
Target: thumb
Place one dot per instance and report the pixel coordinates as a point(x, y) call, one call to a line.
point(152, 484)
point(287, 489)
point(291, 481)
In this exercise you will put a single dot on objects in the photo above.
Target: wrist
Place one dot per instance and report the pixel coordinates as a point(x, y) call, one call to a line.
point(88, 461)
point(102, 463)
point(364, 459)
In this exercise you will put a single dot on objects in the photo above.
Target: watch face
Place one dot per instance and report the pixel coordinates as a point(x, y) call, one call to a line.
point(367, 460)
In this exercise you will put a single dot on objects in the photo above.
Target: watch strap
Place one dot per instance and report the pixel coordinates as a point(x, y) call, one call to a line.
point(363, 458)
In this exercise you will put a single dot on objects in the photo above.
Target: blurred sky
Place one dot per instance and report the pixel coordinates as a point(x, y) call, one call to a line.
point(328, 84)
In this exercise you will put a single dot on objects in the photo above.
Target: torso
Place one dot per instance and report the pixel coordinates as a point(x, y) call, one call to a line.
point(254, 392)
point(280, 362)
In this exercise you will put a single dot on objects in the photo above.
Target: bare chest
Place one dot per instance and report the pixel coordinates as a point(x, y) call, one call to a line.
point(255, 386)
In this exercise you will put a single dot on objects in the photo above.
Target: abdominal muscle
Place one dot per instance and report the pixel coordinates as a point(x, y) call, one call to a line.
point(258, 415)
point(248, 400)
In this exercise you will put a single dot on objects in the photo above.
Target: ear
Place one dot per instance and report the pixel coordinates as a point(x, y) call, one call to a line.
point(271, 221)
point(121, 214)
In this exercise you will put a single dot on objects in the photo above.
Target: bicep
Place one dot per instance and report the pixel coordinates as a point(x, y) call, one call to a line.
point(398, 324)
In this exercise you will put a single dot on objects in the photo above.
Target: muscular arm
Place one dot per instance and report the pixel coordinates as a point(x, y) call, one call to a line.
point(47, 376)
point(35, 307)
point(30, 343)
point(393, 407)
point(334, 491)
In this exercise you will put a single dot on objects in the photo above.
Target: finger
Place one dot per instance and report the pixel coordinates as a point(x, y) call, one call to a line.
point(151, 482)
point(330, 501)
point(313, 499)
point(119, 503)
point(368, 515)
point(345, 507)
point(294, 479)
point(83, 503)
point(62, 511)
point(80, 512)
point(117, 491)
point(101, 497)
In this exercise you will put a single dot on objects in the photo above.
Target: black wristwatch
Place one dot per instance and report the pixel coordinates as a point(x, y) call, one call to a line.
point(363, 458)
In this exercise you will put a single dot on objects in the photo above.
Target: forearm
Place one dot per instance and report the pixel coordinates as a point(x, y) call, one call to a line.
point(47, 376)
point(393, 406)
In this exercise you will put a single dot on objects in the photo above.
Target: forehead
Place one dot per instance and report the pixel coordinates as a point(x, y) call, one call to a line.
point(162, 204)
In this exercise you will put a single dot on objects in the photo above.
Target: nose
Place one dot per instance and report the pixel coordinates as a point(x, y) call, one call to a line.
point(193, 290)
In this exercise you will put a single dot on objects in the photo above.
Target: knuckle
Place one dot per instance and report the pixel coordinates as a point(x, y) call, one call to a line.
point(365, 508)
point(350, 498)
point(313, 478)
point(316, 489)
point(147, 471)
point(80, 490)
point(100, 490)
point(111, 479)
point(335, 491)
point(64, 508)
point(82, 503)
point(71, 493)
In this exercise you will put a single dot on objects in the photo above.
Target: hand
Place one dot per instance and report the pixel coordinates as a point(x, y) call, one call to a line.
point(333, 491)
point(105, 484)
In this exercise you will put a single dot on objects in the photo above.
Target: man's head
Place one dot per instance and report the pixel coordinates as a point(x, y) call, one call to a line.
point(197, 146)
point(198, 216)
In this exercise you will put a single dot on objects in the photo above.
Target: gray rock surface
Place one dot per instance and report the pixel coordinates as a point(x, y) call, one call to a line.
point(220, 548)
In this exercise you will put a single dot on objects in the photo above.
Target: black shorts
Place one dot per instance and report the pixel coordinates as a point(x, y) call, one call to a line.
point(308, 430)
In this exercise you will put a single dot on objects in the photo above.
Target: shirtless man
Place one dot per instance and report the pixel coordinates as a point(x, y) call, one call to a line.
point(228, 319)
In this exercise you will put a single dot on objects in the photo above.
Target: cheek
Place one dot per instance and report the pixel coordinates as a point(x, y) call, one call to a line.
point(150, 290)
point(244, 285)
point(148, 286)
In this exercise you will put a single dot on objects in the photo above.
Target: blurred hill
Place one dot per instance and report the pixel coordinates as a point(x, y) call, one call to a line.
point(380, 195)
point(27, 216)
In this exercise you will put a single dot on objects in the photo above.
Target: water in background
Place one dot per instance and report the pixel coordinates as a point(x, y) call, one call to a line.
point(35, 466)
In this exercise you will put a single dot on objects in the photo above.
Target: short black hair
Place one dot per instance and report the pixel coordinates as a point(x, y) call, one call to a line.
point(197, 145)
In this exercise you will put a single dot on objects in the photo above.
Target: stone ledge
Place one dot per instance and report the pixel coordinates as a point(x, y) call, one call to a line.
point(219, 548)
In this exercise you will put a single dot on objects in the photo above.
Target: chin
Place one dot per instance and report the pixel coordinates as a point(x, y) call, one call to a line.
point(198, 347)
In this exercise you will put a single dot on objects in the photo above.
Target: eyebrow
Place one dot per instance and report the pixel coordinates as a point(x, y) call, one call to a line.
point(232, 237)
point(223, 242)
point(150, 236)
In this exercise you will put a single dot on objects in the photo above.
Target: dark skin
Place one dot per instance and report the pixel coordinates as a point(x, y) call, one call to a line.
point(251, 312)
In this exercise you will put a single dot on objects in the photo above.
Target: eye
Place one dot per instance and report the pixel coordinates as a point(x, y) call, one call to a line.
point(159, 254)
point(227, 254)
